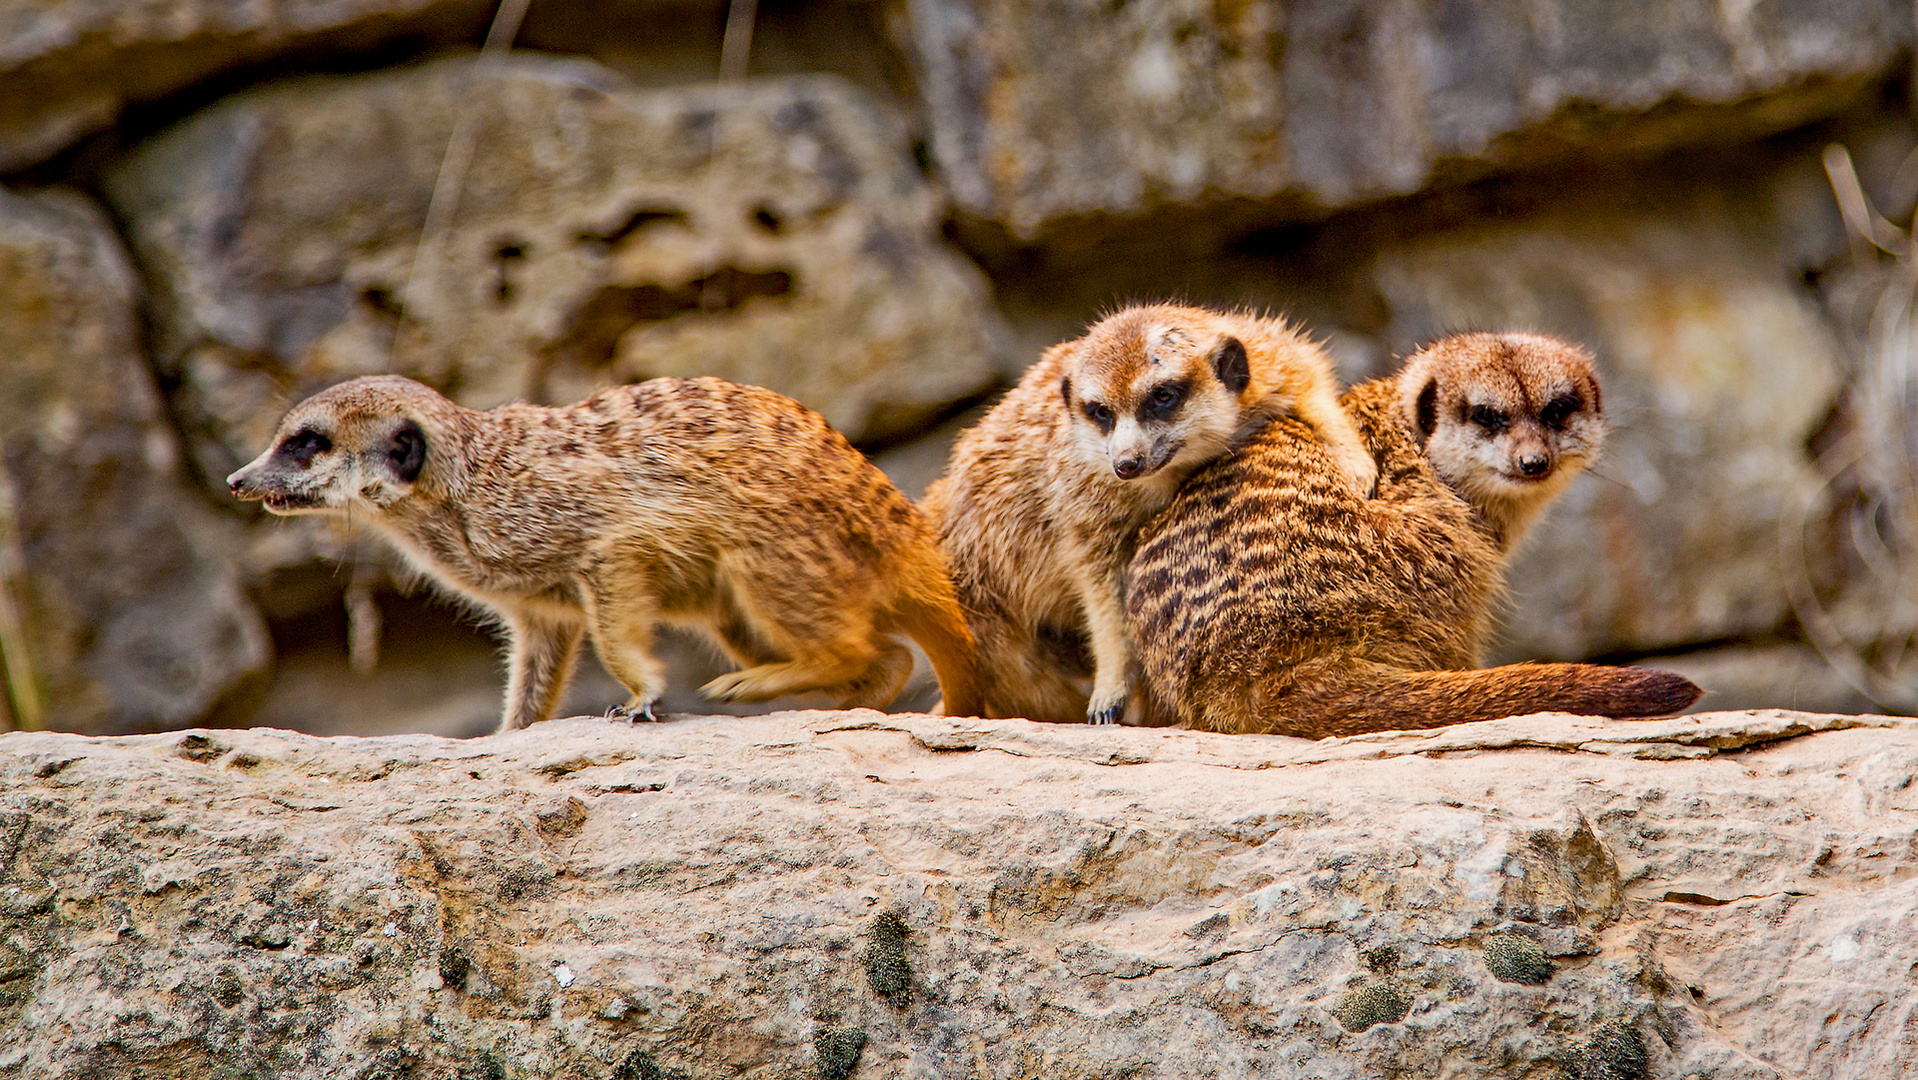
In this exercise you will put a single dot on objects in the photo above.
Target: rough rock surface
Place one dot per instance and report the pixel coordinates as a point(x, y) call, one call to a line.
point(1717, 368)
point(1328, 103)
point(118, 577)
point(67, 67)
point(851, 894)
point(774, 232)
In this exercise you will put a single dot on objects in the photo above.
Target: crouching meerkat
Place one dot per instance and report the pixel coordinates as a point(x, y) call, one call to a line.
point(1267, 598)
point(694, 501)
point(1041, 499)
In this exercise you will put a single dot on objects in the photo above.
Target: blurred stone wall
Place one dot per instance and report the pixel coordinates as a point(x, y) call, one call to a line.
point(215, 209)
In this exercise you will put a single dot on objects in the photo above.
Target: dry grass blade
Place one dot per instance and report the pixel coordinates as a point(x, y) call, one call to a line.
point(460, 145)
point(1869, 491)
point(25, 708)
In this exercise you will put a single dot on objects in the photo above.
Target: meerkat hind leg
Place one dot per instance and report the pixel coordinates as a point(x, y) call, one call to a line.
point(881, 682)
point(825, 646)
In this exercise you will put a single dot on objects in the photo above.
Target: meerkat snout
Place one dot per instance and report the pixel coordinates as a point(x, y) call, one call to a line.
point(335, 449)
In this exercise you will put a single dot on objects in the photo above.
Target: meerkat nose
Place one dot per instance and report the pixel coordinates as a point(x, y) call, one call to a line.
point(1534, 464)
point(1127, 468)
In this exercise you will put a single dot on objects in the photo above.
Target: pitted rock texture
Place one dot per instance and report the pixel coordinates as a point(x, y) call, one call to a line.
point(1329, 103)
point(68, 67)
point(774, 232)
point(1727, 896)
point(120, 600)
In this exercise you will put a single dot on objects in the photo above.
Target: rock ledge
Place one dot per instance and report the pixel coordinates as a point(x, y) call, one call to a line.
point(859, 894)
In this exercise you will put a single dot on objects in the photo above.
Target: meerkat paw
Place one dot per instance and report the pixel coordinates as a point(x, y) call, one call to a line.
point(1107, 708)
point(633, 713)
point(1364, 471)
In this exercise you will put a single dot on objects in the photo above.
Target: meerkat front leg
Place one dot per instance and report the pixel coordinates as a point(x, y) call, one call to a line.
point(621, 613)
point(540, 664)
point(1099, 594)
point(1319, 407)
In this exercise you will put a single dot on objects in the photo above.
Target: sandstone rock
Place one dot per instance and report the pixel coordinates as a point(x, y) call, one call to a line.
point(1717, 369)
point(67, 67)
point(1726, 895)
point(1045, 112)
point(121, 576)
point(774, 232)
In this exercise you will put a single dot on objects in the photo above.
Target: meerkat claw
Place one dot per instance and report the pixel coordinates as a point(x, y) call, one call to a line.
point(1107, 715)
point(633, 715)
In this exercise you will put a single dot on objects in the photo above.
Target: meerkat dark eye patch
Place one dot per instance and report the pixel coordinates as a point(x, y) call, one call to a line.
point(1492, 420)
point(408, 451)
point(1100, 415)
point(1231, 365)
point(1427, 409)
point(1163, 402)
point(1559, 409)
point(304, 445)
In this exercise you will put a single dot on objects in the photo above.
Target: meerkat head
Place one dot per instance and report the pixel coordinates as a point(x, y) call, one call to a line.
point(1154, 390)
point(361, 444)
point(1506, 419)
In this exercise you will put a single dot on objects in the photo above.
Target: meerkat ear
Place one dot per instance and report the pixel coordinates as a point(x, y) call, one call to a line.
point(408, 451)
point(1065, 389)
point(1231, 365)
point(1425, 412)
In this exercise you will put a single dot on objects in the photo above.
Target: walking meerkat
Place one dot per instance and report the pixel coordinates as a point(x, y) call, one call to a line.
point(1041, 499)
point(1267, 598)
point(694, 501)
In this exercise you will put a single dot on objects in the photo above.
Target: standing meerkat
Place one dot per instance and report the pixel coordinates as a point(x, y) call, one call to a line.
point(1268, 599)
point(694, 501)
point(1041, 499)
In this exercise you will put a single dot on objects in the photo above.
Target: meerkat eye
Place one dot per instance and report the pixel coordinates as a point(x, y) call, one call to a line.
point(304, 445)
point(1163, 401)
point(1559, 410)
point(1099, 414)
point(1492, 420)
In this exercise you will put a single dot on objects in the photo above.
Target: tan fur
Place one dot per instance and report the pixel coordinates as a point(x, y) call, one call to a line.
point(1268, 598)
point(1040, 501)
point(694, 501)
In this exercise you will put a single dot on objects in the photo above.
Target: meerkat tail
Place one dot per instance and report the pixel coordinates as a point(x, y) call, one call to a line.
point(1375, 697)
point(932, 618)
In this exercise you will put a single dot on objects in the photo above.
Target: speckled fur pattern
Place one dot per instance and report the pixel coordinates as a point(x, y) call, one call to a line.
point(726, 508)
point(1267, 598)
point(1037, 518)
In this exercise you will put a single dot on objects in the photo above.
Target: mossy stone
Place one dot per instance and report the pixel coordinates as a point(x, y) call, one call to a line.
point(1515, 958)
point(836, 1051)
point(1614, 1051)
point(887, 966)
point(1380, 1001)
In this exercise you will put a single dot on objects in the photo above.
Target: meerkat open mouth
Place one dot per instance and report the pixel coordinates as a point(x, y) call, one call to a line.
point(280, 502)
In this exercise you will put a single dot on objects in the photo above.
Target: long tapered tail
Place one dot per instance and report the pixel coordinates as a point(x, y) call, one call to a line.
point(1375, 697)
point(937, 624)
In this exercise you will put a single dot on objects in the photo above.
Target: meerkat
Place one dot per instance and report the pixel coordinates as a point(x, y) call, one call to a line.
point(699, 502)
point(1267, 598)
point(1040, 500)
